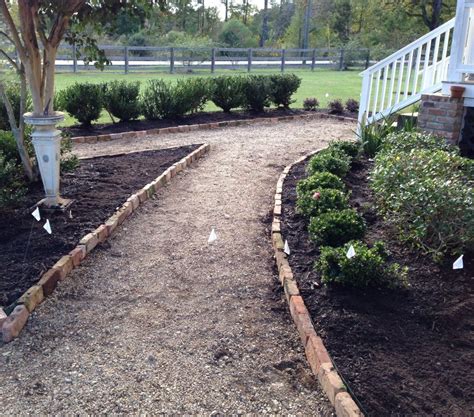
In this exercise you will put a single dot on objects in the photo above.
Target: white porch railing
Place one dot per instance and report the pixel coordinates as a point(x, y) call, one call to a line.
point(400, 79)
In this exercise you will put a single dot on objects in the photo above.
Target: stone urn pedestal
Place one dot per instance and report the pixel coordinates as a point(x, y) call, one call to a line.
point(47, 143)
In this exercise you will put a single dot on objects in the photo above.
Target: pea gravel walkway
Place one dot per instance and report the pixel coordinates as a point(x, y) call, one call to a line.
point(157, 320)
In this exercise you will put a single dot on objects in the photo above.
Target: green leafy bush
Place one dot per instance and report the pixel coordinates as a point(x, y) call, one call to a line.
point(122, 99)
point(336, 107)
point(328, 199)
point(428, 196)
point(310, 104)
point(318, 181)
point(12, 185)
point(336, 227)
point(189, 96)
point(157, 100)
point(351, 149)
point(330, 160)
point(9, 148)
point(257, 90)
point(368, 268)
point(162, 100)
point(406, 141)
point(83, 101)
point(227, 92)
point(283, 86)
point(12, 90)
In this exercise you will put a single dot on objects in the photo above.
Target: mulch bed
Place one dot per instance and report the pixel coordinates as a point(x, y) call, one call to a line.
point(98, 186)
point(402, 352)
point(197, 118)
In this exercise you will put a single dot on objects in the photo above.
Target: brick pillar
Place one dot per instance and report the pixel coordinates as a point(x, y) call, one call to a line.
point(441, 115)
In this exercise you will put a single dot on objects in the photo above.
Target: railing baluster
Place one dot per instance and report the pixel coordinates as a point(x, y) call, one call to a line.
point(384, 87)
point(407, 81)
point(435, 60)
point(443, 56)
point(392, 82)
point(417, 70)
point(425, 65)
point(376, 98)
point(400, 79)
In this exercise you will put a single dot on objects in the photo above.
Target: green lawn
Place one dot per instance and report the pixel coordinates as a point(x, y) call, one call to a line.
point(337, 84)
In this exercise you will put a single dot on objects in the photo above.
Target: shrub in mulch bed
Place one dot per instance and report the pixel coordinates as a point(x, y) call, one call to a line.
point(98, 186)
point(402, 351)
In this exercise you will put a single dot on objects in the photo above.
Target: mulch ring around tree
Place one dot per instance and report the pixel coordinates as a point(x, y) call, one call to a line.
point(191, 119)
point(402, 352)
point(98, 186)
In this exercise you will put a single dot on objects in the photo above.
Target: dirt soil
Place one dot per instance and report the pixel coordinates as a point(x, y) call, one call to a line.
point(191, 119)
point(158, 321)
point(402, 352)
point(98, 187)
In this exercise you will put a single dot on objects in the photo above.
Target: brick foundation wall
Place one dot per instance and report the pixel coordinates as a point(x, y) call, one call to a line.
point(441, 115)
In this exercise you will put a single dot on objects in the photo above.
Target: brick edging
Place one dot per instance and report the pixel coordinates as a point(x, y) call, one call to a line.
point(12, 324)
point(205, 126)
point(316, 353)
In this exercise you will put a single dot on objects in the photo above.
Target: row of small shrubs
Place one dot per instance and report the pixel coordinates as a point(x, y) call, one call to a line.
point(161, 99)
point(424, 188)
point(335, 226)
point(334, 106)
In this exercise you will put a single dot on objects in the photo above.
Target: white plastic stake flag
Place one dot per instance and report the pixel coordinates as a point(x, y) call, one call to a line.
point(458, 263)
point(286, 249)
point(36, 214)
point(351, 252)
point(212, 237)
point(47, 227)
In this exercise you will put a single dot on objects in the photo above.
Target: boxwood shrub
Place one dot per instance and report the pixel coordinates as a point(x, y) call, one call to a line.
point(283, 86)
point(122, 99)
point(257, 90)
point(318, 181)
point(351, 149)
point(370, 267)
point(330, 160)
point(328, 199)
point(83, 101)
point(227, 92)
point(336, 227)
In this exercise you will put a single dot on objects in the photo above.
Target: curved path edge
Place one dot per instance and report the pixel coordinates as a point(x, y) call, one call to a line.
point(204, 126)
point(18, 312)
point(316, 353)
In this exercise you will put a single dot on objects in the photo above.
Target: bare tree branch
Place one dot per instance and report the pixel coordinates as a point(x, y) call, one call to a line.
point(10, 60)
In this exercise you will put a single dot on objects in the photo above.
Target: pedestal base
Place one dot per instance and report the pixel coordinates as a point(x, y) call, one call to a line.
point(54, 204)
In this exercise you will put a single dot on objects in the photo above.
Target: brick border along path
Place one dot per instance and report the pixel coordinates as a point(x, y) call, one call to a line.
point(156, 320)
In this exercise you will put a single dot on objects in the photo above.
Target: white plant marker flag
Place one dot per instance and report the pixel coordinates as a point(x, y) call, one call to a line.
point(36, 214)
point(351, 252)
point(327, 95)
point(458, 263)
point(47, 227)
point(286, 249)
point(212, 236)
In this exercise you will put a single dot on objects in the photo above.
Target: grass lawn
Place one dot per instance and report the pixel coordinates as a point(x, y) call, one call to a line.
point(338, 84)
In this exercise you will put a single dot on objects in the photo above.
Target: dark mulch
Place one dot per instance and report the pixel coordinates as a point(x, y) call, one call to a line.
point(98, 186)
point(402, 352)
point(197, 118)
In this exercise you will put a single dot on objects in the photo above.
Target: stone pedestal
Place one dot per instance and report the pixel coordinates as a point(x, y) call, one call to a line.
point(47, 144)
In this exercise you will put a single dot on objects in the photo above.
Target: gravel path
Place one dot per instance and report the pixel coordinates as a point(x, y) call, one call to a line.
point(157, 320)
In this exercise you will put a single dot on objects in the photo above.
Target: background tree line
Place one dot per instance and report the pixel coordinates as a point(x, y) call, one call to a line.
point(382, 26)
